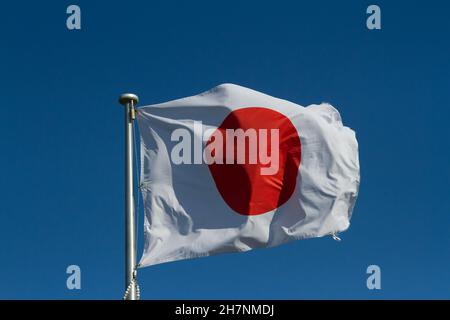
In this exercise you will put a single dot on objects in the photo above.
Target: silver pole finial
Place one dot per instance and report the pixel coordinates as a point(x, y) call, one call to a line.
point(126, 98)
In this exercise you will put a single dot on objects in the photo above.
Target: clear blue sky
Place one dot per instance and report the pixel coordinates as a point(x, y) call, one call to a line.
point(62, 140)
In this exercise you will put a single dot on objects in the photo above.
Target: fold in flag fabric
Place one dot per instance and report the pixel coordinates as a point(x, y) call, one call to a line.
point(233, 169)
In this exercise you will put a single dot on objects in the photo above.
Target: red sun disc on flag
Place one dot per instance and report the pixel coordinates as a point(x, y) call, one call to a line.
point(268, 176)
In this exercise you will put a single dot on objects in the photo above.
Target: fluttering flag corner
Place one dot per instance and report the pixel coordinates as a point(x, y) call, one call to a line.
point(233, 169)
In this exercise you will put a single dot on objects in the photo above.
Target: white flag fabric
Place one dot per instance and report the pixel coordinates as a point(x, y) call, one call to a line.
point(233, 169)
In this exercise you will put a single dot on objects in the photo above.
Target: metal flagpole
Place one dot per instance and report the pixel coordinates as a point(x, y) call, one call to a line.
point(129, 101)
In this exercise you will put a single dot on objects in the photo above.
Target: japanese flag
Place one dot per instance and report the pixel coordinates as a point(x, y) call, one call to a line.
point(233, 169)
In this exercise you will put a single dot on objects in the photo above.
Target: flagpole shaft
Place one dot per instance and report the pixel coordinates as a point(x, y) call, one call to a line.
point(129, 101)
